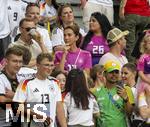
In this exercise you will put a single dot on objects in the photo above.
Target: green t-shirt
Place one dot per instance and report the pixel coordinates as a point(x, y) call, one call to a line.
point(110, 115)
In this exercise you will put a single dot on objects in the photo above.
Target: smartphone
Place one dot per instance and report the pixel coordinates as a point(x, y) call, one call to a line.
point(120, 84)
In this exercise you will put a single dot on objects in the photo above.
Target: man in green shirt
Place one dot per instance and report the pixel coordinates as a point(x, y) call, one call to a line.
point(112, 99)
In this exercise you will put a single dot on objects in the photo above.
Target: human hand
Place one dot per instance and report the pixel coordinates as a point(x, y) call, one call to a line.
point(122, 92)
point(9, 93)
point(48, 121)
point(36, 36)
point(66, 48)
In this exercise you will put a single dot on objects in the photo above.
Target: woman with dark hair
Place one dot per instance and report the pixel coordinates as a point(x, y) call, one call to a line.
point(72, 57)
point(95, 40)
point(79, 103)
point(65, 18)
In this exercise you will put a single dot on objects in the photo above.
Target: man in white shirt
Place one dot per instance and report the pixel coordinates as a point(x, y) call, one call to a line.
point(9, 81)
point(42, 90)
point(34, 43)
point(33, 13)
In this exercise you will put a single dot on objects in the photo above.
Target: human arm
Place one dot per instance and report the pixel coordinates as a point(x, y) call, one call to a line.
point(127, 105)
point(39, 39)
point(88, 63)
point(144, 108)
point(96, 111)
point(61, 114)
point(143, 77)
point(4, 99)
point(60, 58)
point(121, 9)
point(3, 92)
point(62, 62)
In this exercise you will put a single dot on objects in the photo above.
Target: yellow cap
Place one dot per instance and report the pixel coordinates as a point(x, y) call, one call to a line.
point(110, 66)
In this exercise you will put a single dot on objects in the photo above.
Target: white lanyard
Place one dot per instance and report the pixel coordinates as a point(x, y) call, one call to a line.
point(77, 57)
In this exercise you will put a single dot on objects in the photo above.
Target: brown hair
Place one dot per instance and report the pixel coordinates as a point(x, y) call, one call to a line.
point(25, 20)
point(60, 9)
point(42, 56)
point(75, 29)
point(15, 50)
point(94, 70)
point(31, 5)
point(26, 54)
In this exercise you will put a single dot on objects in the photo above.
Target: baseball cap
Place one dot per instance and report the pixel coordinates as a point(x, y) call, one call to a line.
point(110, 66)
point(115, 34)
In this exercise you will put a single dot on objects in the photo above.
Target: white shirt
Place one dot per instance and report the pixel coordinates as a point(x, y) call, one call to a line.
point(58, 36)
point(102, 2)
point(4, 83)
point(44, 92)
point(48, 11)
point(34, 48)
point(109, 56)
point(80, 116)
point(16, 11)
point(25, 73)
point(30, 1)
point(4, 21)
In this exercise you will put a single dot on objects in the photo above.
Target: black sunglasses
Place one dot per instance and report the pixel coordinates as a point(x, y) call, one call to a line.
point(115, 71)
point(28, 28)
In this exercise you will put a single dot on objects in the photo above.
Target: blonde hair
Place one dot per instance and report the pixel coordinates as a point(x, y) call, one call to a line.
point(145, 39)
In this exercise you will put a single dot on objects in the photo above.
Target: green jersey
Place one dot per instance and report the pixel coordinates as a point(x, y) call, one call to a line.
point(110, 115)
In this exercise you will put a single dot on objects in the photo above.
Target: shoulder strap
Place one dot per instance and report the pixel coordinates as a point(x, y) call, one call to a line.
point(114, 102)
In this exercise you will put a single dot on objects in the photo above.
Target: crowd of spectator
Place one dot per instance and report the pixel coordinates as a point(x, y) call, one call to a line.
point(54, 73)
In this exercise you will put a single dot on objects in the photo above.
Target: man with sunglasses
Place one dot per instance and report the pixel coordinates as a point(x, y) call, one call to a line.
point(113, 101)
point(33, 13)
point(44, 90)
point(34, 42)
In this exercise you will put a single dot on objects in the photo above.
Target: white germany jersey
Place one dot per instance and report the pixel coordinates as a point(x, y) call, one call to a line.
point(16, 11)
point(4, 83)
point(48, 11)
point(4, 22)
point(40, 91)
